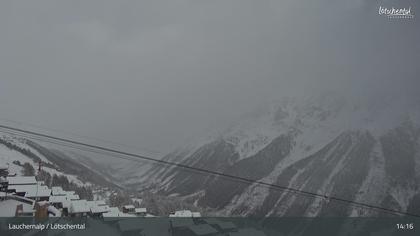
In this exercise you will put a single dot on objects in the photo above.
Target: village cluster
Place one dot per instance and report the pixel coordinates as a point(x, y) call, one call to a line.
point(24, 196)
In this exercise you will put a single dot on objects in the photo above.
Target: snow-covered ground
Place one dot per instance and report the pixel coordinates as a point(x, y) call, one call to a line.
point(8, 156)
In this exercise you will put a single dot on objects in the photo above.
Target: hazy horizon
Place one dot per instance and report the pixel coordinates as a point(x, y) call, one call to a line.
point(153, 73)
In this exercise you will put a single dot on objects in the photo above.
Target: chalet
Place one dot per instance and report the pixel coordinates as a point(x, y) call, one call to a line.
point(22, 180)
point(31, 191)
point(3, 196)
point(4, 171)
point(14, 207)
point(58, 201)
point(41, 210)
point(140, 211)
point(97, 208)
point(185, 213)
point(53, 211)
point(66, 207)
point(58, 191)
point(113, 213)
point(4, 183)
point(79, 208)
point(71, 196)
point(129, 209)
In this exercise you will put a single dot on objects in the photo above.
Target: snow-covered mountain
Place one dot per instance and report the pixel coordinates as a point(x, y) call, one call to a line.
point(329, 144)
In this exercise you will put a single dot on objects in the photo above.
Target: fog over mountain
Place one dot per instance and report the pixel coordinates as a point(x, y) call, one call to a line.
point(153, 74)
point(319, 96)
point(327, 145)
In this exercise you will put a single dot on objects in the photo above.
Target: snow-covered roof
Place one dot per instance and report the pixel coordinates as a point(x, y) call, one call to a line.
point(58, 191)
point(79, 206)
point(115, 212)
point(57, 199)
point(66, 203)
point(129, 207)
point(140, 210)
point(112, 212)
point(19, 180)
point(185, 213)
point(100, 202)
point(53, 211)
point(8, 207)
point(72, 196)
point(98, 206)
point(32, 190)
point(99, 209)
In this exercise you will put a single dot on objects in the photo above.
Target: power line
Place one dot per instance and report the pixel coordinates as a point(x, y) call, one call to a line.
point(85, 137)
point(64, 141)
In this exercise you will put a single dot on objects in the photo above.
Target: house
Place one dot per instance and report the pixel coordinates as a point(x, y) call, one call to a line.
point(4, 170)
point(97, 208)
point(14, 207)
point(32, 191)
point(185, 213)
point(41, 210)
point(4, 184)
point(71, 196)
point(58, 191)
point(22, 180)
point(14, 181)
point(53, 211)
point(41, 193)
point(129, 209)
point(140, 211)
point(58, 201)
point(113, 214)
point(79, 208)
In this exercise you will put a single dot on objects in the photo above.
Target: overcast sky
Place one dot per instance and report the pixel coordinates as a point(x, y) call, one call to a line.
point(154, 73)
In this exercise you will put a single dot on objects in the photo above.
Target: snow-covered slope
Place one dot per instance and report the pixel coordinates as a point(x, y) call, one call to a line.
point(16, 151)
point(327, 144)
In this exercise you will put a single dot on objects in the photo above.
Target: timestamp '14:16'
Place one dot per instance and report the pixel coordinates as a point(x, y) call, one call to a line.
point(408, 226)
